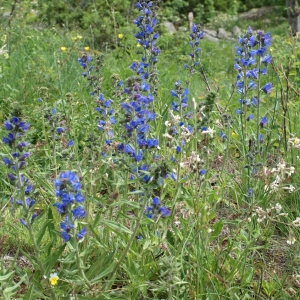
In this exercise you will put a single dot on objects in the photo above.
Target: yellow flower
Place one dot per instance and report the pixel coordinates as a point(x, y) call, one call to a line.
point(53, 278)
point(120, 35)
point(86, 48)
point(138, 45)
point(63, 48)
point(76, 38)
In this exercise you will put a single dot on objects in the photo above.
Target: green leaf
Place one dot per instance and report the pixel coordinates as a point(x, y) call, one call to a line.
point(6, 277)
point(104, 273)
point(53, 258)
point(117, 227)
point(170, 238)
point(8, 291)
point(217, 228)
point(30, 293)
point(103, 262)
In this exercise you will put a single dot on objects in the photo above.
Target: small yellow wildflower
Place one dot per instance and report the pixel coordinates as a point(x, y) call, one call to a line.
point(138, 45)
point(86, 48)
point(53, 278)
point(76, 38)
point(120, 35)
point(63, 48)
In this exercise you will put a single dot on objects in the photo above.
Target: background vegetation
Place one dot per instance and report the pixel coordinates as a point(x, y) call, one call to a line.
point(230, 235)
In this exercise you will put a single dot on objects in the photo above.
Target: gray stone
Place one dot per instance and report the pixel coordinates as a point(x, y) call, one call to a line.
point(191, 20)
point(210, 38)
point(6, 14)
point(170, 27)
point(212, 33)
point(236, 31)
point(223, 34)
point(183, 29)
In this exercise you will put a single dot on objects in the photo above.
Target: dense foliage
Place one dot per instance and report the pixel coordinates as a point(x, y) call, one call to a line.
point(100, 20)
point(166, 168)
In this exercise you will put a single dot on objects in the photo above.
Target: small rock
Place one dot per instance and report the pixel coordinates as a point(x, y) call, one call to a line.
point(183, 29)
point(212, 33)
point(236, 31)
point(210, 38)
point(223, 34)
point(6, 14)
point(170, 27)
point(191, 19)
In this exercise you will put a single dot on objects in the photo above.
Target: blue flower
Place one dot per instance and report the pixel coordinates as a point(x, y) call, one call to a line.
point(155, 201)
point(202, 172)
point(60, 130)
point(34, 216)
point(252, 85)
point(250, 193)
point(66, 236)
point(173, 93)
point(263, 121)
point(66, 225)
point(6, 161)
point(81, 234)
point(9, 139)
point(267, 88)
point(264, 71)
point(79, 198)
point(78, 212)
point(252, 41)
point(223, 136)
point(8, 125)
point(261, 51)
point(261, 138)
point(23, 222)
point(250, 117)
point(61, 208)
point(266, 39)
point(254, 101)
point(237, 67)
point(266, 59)
point(165, 212)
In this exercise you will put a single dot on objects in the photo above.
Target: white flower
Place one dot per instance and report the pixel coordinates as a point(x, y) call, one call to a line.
point(296, 223)
point(209, 131)
point(289, 188)
point(291, 241)
point(278, 208)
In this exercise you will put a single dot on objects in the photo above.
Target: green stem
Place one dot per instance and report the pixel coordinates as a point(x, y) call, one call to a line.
point(258, 108)
point(110, 280)
point(80, 266)
point(37, 255)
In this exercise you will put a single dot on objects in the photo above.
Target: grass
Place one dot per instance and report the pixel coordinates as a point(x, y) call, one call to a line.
point(218, 243)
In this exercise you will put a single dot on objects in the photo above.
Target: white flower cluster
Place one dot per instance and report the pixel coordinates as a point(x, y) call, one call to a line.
point(268, 213)
point(191, 162)
point(295, 142)
point(281, 173)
